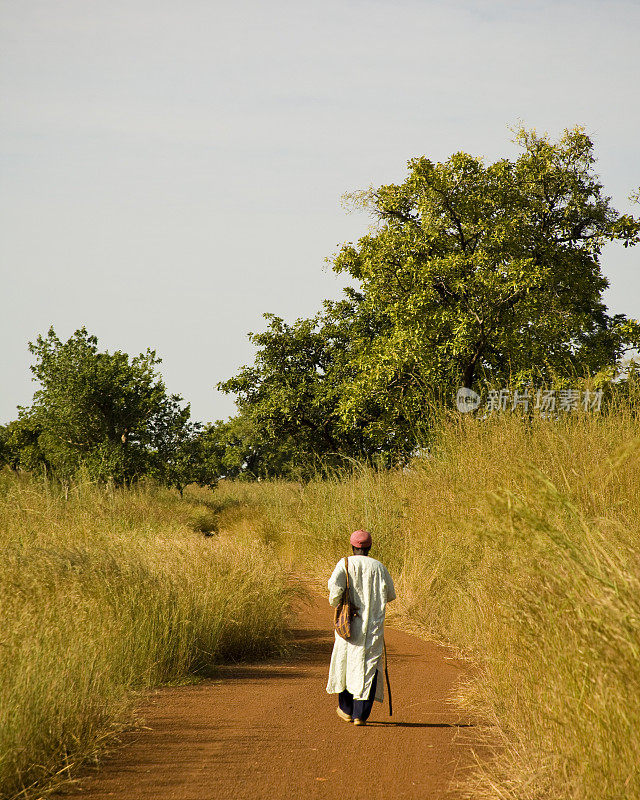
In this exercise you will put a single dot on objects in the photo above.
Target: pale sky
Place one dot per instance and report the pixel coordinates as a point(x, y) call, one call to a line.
point(172, 169)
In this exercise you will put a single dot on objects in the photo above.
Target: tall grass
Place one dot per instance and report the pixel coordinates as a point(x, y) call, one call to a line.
point(519, 543)
point(107, 594)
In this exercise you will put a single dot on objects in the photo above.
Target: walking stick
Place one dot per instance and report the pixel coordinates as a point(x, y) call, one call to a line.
point(386, 674)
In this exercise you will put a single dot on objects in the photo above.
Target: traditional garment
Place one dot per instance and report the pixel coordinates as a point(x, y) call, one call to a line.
point(354, 663)
point(358, 709)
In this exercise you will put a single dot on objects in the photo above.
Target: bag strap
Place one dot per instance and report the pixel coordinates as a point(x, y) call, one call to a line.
point(346, 566)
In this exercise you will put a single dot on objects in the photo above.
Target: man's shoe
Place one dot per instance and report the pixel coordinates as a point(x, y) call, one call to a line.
point(359, 721)
point(342, 715)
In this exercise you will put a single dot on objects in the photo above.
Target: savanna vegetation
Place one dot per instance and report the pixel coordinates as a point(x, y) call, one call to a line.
point(472, 275)
point(106, 594)
point(512, 537)
point(104, 416)
point(519, 544)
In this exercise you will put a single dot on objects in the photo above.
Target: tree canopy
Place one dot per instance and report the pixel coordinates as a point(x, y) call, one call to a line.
point(104, 412)
point(473, 273)
point(489, 272)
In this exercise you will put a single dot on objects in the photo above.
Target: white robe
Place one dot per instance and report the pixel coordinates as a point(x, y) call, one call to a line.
point(354, 663)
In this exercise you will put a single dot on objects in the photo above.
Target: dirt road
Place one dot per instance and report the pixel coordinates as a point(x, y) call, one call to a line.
point(270, 731)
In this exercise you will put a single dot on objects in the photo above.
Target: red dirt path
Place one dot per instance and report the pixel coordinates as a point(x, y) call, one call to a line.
point(269, 731)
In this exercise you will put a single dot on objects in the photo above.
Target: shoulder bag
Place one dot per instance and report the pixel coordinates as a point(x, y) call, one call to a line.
point(346, 610)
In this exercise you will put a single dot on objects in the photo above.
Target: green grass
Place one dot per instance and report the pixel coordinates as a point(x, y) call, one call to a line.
point(108, 594)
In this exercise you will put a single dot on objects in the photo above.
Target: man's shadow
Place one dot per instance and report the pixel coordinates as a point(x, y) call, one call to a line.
point(375, 724)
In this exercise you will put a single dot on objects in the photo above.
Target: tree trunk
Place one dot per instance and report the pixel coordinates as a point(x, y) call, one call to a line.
point(469, 370)
point(467, 375)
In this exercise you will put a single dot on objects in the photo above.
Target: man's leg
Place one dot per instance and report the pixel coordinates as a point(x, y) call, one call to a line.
point(345, 702)
point(362, 708)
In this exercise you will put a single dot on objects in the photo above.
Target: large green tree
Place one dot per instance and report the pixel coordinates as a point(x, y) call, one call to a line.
point(290, 421)
point(288, 400)
point(488, 272)
point(105, 412)
point(472, 273)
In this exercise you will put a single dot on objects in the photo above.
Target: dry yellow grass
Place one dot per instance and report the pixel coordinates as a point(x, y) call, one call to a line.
point(516, 542)
point(106, 595)
point(519, 543)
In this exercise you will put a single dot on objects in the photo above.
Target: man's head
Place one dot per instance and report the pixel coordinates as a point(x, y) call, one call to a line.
point(360, 543)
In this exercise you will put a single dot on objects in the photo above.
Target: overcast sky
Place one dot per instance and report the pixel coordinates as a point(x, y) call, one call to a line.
point(173, 169)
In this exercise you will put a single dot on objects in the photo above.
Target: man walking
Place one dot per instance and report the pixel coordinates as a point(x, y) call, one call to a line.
point(355, 664)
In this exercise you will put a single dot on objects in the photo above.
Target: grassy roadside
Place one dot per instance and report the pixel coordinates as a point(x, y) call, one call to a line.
point(520, 544)
point(105, 595)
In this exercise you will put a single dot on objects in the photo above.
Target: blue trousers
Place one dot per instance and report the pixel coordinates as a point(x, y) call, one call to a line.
point(358, 709)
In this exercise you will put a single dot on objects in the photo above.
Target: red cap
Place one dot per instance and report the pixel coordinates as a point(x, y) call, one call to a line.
point(361, 539)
